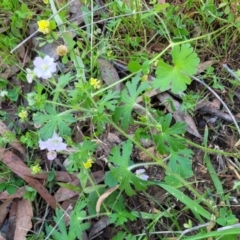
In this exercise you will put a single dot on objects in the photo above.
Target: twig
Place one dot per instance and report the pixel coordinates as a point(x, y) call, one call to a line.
point(192, 229)
point(65, 213)
point(232, 73)
point(219, 98)
point(33, 34)
point(110, 18)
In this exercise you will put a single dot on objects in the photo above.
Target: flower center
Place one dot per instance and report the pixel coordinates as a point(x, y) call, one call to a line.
point(44, 67)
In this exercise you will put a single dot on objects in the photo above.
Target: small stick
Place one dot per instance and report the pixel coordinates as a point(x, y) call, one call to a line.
point(231, 72)
point(218, 97)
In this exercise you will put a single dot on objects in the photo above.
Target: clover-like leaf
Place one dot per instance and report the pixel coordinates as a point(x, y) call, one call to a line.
point(178, 76)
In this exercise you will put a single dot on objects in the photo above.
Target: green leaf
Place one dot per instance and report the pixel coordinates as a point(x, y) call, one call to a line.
point(165, 141)
point(53, 122)
point(76, 225)
point(180, 163)
point(70, 187)
point(128, 97)
point(11, 189)
point(62, 82)
point(121, 172)
point(178, 76)
point(214, 176)
point(134, 66)
point(110, 181)
point(192, 204)
point(84, 151)
point(121, 217)
point(108, 101)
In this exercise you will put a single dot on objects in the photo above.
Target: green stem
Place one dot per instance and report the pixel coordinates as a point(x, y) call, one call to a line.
point(163, 165)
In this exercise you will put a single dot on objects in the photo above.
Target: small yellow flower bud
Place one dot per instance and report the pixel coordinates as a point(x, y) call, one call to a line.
point(23, 114)
point(36, 169)
point(95, 83)
point(88, 163)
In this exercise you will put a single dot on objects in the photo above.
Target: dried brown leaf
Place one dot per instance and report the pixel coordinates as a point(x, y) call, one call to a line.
point(16, 165)
point(109, 73)
point(204, 65)
point(4, 209)
point(1, 237)
point(103, 197)
point(23, 219)
point(20, 166)
point(99, 226)
point(178, 114)
point(145, 157)
point(63, 193)
point(15, 143)
point(18, 194)
point(76, 12)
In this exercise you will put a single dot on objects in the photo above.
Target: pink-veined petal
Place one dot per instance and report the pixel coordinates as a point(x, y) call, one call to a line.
point(51, 155)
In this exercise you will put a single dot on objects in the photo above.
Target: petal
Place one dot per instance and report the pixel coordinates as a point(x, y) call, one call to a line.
point(61, 146)
point(38, 62)
point(48, 60)
point(43, 144)
point(46, 74)
point(51, 155)
point(38, 72)
point(140, 171)
point(53, 68)
point(144, 177)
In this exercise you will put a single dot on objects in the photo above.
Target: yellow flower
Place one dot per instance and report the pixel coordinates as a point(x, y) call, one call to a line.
point(23, 114)
point(44, 26)
point(46, 1)
point(88, 163)
point(62, 50)
point(95, 83)
point(36, 169)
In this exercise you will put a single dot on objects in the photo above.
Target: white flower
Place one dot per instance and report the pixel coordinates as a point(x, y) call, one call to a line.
point(140, 173)
point(30, 75)
point(3, 93)
point(51, 155)
point(53, 144)
point(44, 67)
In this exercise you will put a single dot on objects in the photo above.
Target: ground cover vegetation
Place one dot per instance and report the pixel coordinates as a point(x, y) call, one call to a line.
point(119, 119)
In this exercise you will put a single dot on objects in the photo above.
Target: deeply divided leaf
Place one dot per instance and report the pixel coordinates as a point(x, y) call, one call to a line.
point(128, 98)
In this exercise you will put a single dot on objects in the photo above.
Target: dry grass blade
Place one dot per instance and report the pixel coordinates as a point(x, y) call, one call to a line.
point(103, 197)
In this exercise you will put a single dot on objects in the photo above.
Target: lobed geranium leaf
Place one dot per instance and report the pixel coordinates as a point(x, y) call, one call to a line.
point(165, 141)
point(52, 121)
point(128, 98)
point(121, 172)
point(177, 77)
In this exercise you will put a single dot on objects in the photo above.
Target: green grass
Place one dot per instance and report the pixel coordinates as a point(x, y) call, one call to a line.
point(83, 113)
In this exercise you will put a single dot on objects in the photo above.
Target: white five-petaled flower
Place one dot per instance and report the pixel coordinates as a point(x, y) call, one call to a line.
point(53, 144)
point(140, 173)
point(44, 67)
point(30, 75)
